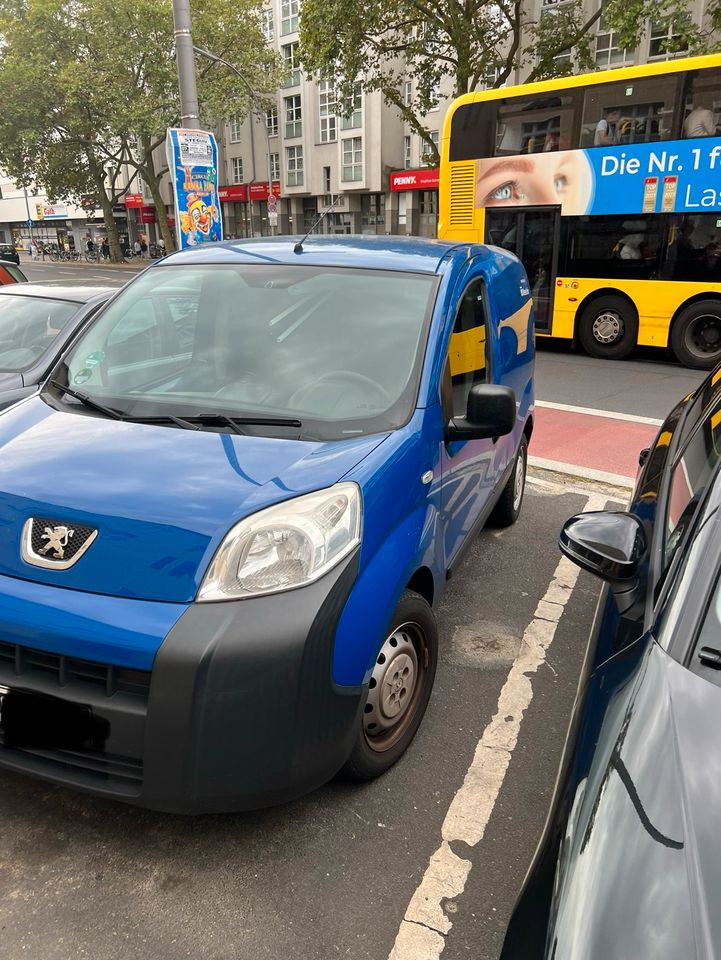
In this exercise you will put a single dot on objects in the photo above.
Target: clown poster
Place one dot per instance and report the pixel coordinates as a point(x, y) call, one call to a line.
point(193, 164)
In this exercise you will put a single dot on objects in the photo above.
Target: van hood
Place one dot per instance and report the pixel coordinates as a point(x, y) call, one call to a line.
point(161, 498)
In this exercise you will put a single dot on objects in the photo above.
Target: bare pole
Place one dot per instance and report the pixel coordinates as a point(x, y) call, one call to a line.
point(185, 59)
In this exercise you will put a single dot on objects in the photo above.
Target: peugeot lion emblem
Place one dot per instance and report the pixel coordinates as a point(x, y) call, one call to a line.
point(57, 538)
point(53, 544)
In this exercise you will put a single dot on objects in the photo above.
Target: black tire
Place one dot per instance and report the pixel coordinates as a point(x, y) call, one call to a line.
point(608, 328)
point(508, 507)
point(696, 335)
point(413, 624)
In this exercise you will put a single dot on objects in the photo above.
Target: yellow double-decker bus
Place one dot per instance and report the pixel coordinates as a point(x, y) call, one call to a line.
point(608, 187)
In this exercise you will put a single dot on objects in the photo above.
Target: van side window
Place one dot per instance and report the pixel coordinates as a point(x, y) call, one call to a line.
point(467, 352)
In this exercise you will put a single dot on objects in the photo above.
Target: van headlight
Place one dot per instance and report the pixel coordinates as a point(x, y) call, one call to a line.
point(286, 545)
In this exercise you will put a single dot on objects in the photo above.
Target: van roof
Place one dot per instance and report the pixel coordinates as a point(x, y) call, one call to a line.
point(410, 254)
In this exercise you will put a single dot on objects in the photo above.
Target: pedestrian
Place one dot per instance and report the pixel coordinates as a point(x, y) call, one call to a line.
point(143, 249)
point(105, 249)
point(161, 247)
point(136, 248)
point(90, 245)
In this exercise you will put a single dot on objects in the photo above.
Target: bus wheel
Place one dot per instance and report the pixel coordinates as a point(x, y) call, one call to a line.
point(608, 328)
point(696, 335)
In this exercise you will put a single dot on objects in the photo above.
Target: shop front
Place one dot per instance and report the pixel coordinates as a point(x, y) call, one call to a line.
point(415, 205)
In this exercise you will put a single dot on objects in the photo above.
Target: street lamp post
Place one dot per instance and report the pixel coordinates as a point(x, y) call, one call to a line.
point(189, 111)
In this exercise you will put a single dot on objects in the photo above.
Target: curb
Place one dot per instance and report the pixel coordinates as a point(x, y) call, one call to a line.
point(583, 473)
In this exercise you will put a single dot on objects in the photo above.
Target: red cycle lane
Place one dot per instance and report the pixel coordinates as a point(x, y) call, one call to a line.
point(597, 444)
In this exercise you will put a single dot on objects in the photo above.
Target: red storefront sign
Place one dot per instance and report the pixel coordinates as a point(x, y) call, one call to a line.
point(259, 191)
point(133, 200)
point(147, 214)
point(425, 179)
point(232, 194)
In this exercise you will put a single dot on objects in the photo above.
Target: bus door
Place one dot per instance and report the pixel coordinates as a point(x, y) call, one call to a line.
point(532, 233)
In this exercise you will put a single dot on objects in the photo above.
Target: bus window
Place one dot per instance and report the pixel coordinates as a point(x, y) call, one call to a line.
point(534, 124)
point(473, 127)
point(614, 247)
point(702, 104)
point(694, 248)
point(634, 111)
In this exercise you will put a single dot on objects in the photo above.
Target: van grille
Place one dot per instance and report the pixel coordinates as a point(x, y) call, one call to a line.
point(26, 662)
point(463, 176)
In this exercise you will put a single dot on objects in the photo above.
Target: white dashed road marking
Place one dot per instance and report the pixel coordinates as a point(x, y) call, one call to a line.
point(423, 930)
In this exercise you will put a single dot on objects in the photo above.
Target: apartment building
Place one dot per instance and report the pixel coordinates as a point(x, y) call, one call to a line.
point(379, 166)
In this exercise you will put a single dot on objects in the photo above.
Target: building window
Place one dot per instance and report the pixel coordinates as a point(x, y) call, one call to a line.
point(355, 117)
point(373, 209)
point(608, 52)
point(271, 121)
point(435, 95)
point(288, 17)
point(266, 24)
point(235, 124)
point(407, 152)
point(352, 159)
point(408, 93)
point(326, 179)
point(666, 41)
point(402, 209)
point(428, 159)
point(293, 117)
point(490, 78)
point(327, 109)
point(428, 202)
point(294, 166)
point(237, 163)
point(275, 166)
point(291, 60)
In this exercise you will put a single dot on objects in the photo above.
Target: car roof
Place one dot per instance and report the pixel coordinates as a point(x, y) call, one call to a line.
point(408, 254)
point(68, 293)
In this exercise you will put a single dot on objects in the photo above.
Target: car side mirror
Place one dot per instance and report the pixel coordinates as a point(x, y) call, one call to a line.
point(610, 545)
point(490, 412)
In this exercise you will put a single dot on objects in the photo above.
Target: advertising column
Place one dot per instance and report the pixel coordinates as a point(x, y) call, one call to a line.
point(193, 164)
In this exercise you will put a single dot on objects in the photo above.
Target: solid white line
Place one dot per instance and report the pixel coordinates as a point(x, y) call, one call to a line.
point(586, 473)
point(607, 414)
point(423, 930)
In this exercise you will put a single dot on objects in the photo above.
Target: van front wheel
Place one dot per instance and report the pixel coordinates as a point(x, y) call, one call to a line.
point(608, 328)
point(399, 689)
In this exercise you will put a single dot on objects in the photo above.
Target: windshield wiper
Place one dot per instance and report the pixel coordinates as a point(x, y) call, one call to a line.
point(236, 422)
point(88, 401)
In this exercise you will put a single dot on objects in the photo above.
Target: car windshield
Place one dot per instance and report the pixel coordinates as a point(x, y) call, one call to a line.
point(336, 349)
point(28, 325)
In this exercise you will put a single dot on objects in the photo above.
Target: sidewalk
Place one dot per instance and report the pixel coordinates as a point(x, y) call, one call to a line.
point(27, 261)
point(597, 444)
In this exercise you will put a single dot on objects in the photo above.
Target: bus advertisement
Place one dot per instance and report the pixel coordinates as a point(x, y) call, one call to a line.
point(608, 187)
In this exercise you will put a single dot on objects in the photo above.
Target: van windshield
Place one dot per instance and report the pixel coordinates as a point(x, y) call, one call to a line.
point(337, 349)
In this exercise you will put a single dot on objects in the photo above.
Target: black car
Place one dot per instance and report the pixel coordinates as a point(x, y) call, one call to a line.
point(630, 862)
point(8, 252)
point(36, 323)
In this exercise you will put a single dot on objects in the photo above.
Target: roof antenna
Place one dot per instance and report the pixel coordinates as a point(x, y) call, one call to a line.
point(298, 248)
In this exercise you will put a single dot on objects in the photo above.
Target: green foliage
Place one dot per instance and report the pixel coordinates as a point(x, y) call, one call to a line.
point(94, 85)
point(383, 43)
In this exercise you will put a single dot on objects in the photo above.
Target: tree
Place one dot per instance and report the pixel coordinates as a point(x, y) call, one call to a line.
point(95, 87)
point(382, 44)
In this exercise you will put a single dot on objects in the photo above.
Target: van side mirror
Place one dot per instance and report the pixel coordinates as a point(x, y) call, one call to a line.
point(490, 412)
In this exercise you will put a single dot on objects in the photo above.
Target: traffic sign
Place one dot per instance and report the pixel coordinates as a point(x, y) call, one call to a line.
point(30, 223)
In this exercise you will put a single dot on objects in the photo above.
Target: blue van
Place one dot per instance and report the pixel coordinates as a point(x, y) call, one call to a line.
point(227, 516)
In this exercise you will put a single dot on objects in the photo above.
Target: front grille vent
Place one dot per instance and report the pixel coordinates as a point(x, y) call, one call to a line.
point(25, 662)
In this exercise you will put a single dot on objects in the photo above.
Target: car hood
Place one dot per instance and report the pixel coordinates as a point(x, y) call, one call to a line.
point(640, 864)
point(161, 498)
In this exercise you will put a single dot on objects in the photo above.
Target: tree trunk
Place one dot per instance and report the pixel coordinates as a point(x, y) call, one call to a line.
point(106, 205)
point(147, 169)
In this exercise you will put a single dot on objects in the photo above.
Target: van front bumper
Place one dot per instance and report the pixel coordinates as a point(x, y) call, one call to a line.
point(239, 710)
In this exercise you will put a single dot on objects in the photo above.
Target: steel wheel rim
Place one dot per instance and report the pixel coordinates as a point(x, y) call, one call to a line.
point(608, 327)
point(519, 479)
point(703, 335)
point(395, 687)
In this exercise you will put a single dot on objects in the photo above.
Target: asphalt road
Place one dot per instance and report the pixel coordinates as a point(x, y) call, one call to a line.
point(417, 864)
point(331, 875)
point(87, 274)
